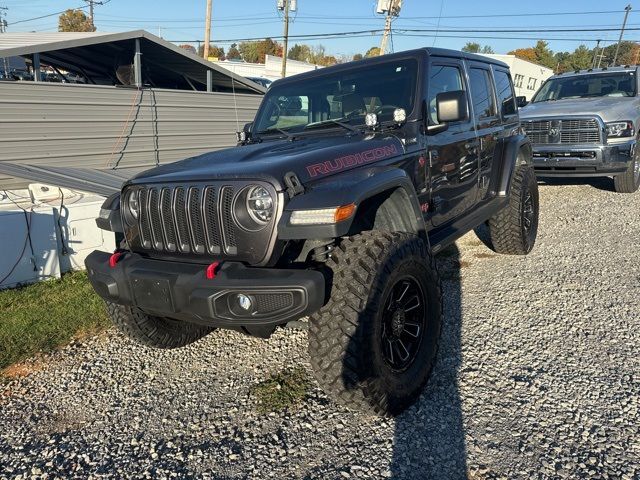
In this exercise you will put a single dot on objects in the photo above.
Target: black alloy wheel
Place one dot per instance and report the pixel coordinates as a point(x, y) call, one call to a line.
point(403, 323)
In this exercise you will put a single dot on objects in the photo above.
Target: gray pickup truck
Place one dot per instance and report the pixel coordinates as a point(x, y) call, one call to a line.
point(585, 124)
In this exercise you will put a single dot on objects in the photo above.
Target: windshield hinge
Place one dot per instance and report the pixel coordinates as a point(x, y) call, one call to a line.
point(294, 186)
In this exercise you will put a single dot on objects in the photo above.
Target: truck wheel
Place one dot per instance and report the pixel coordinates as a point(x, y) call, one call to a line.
point(158, 332)
point(629, 181)
point(373, 345)
point(513, 230)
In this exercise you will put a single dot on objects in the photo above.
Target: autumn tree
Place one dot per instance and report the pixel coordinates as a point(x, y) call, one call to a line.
point(357, 56)
point(233, 53)
point(188, 48)
point(255, 52)
point(540, 54)
point(217, 52)
point(473, 47)
point(301, 53)
point(75, 21)
point(372, 52)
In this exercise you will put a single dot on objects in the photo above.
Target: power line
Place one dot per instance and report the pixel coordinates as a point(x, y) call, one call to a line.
point(46, 16)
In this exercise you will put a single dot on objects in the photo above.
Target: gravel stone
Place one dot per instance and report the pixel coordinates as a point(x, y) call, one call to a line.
point(537, 378)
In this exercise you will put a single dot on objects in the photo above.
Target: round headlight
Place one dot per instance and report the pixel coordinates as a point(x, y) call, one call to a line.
point(260, 204)
point(133, 203)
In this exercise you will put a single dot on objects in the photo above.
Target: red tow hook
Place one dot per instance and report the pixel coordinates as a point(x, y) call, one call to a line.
point(113, 259)
point(211, 270)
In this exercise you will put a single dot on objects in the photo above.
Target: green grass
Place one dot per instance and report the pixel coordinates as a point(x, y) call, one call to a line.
point(282, 390)
point(41, 317)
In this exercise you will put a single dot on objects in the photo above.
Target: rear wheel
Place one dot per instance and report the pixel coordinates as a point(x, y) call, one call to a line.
point(373, 345)
point(158, 332)
point(514, 229)
point(629, 181)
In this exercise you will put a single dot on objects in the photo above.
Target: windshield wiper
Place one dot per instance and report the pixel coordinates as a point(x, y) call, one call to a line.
point(290, 136)
point(330, 122)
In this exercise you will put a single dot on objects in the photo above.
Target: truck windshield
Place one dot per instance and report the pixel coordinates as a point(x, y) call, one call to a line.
point(343, 97)
point(620, 84)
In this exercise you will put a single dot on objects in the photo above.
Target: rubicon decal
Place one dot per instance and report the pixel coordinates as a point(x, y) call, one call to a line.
point(347, 161)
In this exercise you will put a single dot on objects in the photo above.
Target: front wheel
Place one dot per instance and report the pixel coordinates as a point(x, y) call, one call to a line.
point(514, 229)
point(157, 332)
point(374, 343)
point(629, 181)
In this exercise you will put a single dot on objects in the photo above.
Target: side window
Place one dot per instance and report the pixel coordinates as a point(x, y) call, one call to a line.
point(481, 95)
point(506, 102)
point(442, 78)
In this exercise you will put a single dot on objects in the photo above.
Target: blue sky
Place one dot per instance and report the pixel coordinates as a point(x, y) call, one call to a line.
point(184, 20)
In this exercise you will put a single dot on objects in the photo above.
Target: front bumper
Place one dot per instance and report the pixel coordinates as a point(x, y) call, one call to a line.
point(182, 291)
point(582, 160)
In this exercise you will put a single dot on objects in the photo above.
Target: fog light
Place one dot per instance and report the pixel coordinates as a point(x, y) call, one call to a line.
point(245, 302)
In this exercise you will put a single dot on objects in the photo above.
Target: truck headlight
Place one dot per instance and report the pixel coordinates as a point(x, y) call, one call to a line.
point(620, 129)
point(260, 204)
point(132, 206)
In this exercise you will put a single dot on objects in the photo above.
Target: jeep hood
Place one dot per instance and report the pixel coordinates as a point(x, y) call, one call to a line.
point(310, 158)
point(610, 109)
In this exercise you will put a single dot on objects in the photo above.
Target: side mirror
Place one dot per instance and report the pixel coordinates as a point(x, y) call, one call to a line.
point(451, 106)
point(244, 135)
point(521, 101)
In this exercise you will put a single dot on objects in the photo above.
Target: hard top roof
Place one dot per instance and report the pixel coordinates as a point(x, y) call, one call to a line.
point(418, 52)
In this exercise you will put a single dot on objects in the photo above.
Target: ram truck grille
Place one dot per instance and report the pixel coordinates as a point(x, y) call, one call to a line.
point(196, 221)
point(564, 131)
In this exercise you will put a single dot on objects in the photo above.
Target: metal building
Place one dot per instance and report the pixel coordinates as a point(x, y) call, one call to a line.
point(142, 102)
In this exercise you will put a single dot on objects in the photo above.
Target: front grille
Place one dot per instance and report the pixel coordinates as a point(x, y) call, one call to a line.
point(564, 131)
point(187, 219)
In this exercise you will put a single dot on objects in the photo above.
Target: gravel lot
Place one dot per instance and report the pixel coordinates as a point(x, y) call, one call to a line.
point(538, 376)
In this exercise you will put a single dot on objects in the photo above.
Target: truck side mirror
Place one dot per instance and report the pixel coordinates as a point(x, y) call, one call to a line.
point(450, 107)
point(244, 135)
point(521, 101)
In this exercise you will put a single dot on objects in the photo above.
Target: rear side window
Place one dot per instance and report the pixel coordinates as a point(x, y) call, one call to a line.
point(506, 102)
point(481, 96)
point(443, 78)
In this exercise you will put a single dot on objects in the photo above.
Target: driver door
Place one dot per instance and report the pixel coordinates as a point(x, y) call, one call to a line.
point(452, 155)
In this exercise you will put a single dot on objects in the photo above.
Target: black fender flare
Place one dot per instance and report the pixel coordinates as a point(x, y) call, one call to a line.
point(511, 158)
point(349, 188)
point(110, 219)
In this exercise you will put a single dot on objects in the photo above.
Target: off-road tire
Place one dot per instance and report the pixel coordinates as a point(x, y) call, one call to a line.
point(345, 336)
point(157, 332)
point(512, 231)
point(629, 181)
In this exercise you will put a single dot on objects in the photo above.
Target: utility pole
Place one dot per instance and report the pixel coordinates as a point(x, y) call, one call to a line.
point(207, 30)
point(3, 22)
point(627, 9)
point(3, 29)
point(286, 39)
point(595, 54)
point(392, 9)
point(91, 5)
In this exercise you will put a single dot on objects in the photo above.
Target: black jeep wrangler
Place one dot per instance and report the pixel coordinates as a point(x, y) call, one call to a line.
point(332, 206)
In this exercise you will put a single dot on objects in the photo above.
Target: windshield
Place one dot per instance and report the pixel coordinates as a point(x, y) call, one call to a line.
point(620, 84)
point(346, 96)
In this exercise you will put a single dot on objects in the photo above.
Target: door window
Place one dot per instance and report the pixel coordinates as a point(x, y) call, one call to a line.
point(443, 78)
point(481, 93)
point(505, 93)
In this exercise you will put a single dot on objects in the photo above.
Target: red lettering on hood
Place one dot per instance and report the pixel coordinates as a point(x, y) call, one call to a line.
point(341, 163)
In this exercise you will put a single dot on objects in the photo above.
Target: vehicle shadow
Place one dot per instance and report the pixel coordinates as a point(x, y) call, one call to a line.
point(601, 183)
point(429, 438)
